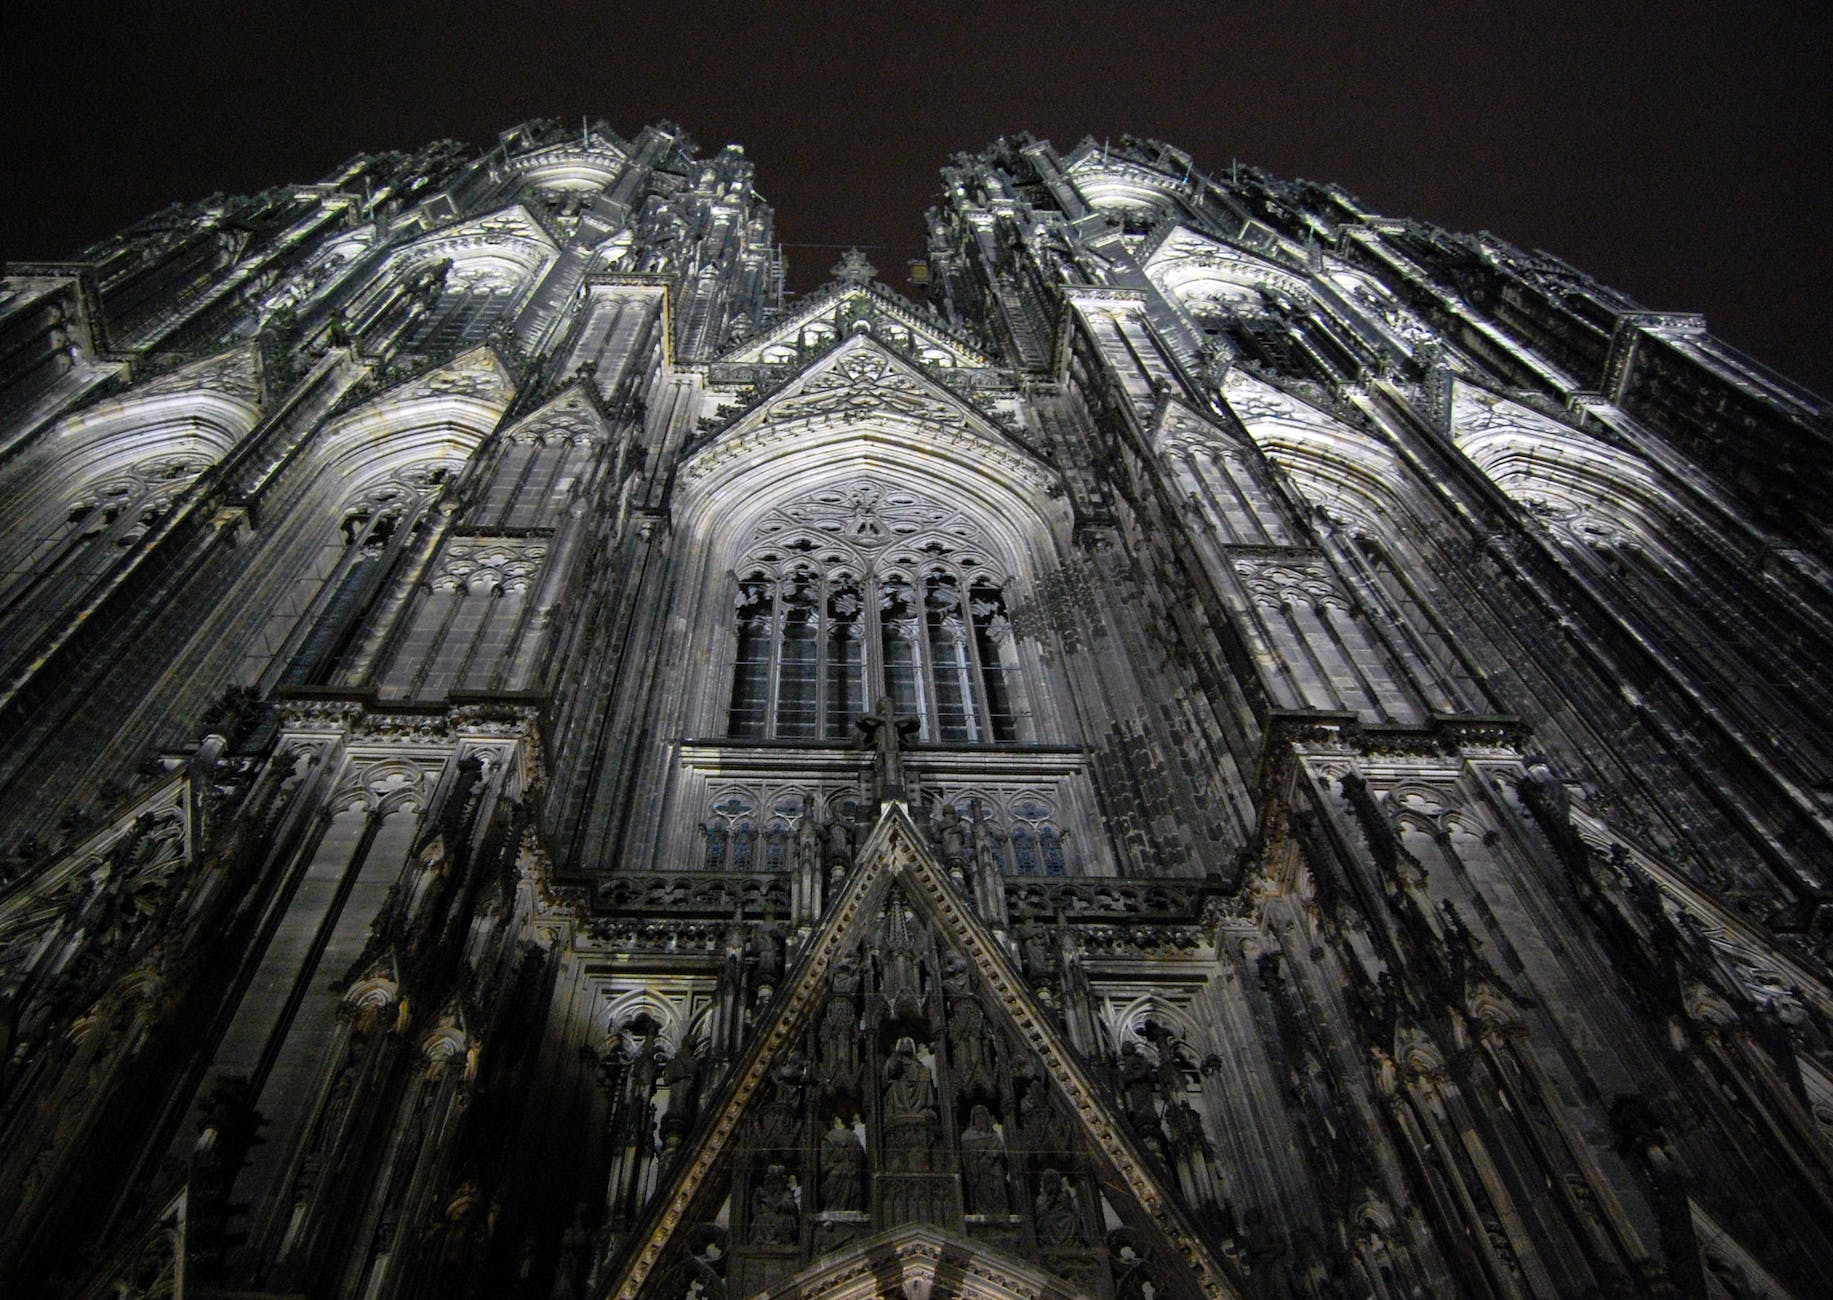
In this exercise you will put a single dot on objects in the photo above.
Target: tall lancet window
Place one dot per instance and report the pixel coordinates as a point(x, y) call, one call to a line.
point(863, 591)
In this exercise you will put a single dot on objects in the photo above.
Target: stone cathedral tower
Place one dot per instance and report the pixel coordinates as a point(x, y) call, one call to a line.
point(1243, 748)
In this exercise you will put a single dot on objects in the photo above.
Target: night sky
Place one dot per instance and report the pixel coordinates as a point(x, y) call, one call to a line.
point(1676, 151)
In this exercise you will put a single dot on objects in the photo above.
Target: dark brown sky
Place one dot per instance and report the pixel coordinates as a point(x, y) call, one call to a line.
point(1677, 151)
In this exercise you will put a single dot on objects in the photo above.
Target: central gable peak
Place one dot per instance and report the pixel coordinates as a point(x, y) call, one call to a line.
point(862, 401)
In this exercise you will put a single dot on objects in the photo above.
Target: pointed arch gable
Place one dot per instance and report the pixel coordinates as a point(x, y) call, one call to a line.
point(455, 405)
point(861, 420)
point(1204, 275)
point(911, 1261)
point(1545, 463)
point(862, 409)
point(831, 310)
point(895, 857)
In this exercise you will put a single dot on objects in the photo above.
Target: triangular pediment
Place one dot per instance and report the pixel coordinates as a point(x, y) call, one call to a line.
point(596, 149)
point(235, 373)
point(570, 415)
point(840, 310)
point(1177, 423)
point(1478, 411)
point(475, 382)
point(1187, 263)
point(907, 1073)
point(1092, 158)
point(478, 374)
point(1260, 405)
point(514, 224)
point(921, 1260)
point(862, 392)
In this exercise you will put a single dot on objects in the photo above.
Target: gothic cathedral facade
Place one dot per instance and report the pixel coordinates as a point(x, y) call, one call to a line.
point(1241, 747)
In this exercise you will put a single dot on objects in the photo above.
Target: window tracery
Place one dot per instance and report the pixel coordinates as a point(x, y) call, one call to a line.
point(864, 590)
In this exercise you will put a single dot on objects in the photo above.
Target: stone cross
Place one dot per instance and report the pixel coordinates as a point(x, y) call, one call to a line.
point(888, 735)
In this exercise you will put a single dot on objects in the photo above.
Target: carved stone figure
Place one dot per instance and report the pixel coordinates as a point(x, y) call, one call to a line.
point(774, 1213)
point(983, 1164)
point(838, 1035)
point(1138, 1086)
point(1034, 950)
point(766, 949)
point(843, 1168)
point(888, 735)
point(1185, 1128)
point(952, 833)
point(780, 1118)
point(971, 1051)
point(808, 837)
point(682, 1078)
point(909, 1109)
point(1055, 1212)
point(839, 850)
point(985, 851)
point(1038, 1122)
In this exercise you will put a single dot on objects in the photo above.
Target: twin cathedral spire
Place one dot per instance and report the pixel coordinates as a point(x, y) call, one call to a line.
point(1240, 747)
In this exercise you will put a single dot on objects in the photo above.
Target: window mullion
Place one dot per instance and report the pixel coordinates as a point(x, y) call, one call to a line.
point(980, 716)
point(925, 663)
point(872, 656)
point(776, 658)
point(823, 631)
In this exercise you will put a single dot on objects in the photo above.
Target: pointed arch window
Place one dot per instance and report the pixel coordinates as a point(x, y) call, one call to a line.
point(869, 591)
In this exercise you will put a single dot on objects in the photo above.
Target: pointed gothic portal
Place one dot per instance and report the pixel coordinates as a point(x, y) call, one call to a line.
point(908, 1113)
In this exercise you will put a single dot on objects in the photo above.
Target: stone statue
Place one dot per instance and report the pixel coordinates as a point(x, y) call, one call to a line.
point(983, 1164)
point(952, 832)
point(779, 1120)
point(1186, 1129)
point(954, 972)
point(1059, 1218)
point(808, 837)
point(910, 1109)
point(986, 852)
point(682, 1078)
point(806, 863)
point(1034, 951)
point(843, 1168)
point(773, 1209)
point(971, 1050)
point(1037, 1121)
point(846, 974)
point(839, 1038)
point(766, 946)
point(888, 735)
point(1137, 1086)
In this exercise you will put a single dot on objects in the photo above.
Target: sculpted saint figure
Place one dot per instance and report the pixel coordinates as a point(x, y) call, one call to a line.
point(839, 849)
point(983, 1164)
point(986, 853)
point(952, 831)
point(843, 1168)
point(1059, 1221)
point(910, 1110)
point(808, 838)
point(1136, 1085)
point(839, 1034)
point(971, 1052)
point(900, 970)
point(773, 1210)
